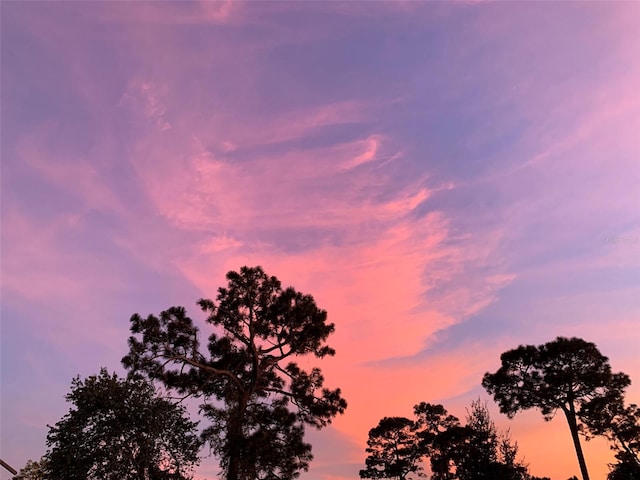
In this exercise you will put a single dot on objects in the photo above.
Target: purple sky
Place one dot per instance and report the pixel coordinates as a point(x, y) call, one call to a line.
point(449, 180)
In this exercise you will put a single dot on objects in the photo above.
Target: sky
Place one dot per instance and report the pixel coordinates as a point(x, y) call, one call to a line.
point(448, 180)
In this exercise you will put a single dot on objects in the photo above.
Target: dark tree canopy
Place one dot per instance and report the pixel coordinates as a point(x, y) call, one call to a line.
point(480, 458)
point(436, 431)
point(255, 396)
point(475, 451)
point(620, 424)
point(432, 420)
point(626, 468)
point(120, 430)
point(394, 450)
point(490, 454)
point(566, 374)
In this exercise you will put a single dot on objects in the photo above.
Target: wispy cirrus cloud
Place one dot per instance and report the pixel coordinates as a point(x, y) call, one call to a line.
point(146, 98)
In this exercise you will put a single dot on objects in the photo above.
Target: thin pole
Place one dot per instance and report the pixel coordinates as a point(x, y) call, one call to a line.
point(8, 467)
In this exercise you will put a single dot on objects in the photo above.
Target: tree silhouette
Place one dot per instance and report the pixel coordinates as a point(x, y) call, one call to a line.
point(475, 451)
point(438, 432)
point(488, 454)
point(119, 430)
point(565, 374)
point(33, 470)
point(394, 450)
point(257, 399)
point(480, 456)
point(627, 467)
point(620, 424)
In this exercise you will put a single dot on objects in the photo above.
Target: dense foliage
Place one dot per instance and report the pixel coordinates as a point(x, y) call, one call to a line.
point(620, 424)
point(394, 450)
point(475, 451)
point(627, 467)
point(256, 398)
point(487, 454)
point(120, 430)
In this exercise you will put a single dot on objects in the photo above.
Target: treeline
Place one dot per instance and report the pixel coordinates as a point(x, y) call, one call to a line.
point(256, 401)
point(398, 446)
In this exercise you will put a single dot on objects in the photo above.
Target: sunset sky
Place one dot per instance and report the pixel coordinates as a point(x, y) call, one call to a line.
point(448, 180)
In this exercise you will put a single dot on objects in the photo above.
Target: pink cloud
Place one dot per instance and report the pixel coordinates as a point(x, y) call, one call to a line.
point(196, 189)
point(147, 99)
point(368, 155)
point(193, 13)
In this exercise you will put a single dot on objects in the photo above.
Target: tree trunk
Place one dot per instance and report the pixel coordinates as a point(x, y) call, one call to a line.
point(234, 439)
point(573, 426)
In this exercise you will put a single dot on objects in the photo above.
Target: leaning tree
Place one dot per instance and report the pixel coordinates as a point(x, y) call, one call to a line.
point(566, 374)
point(255, 396)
